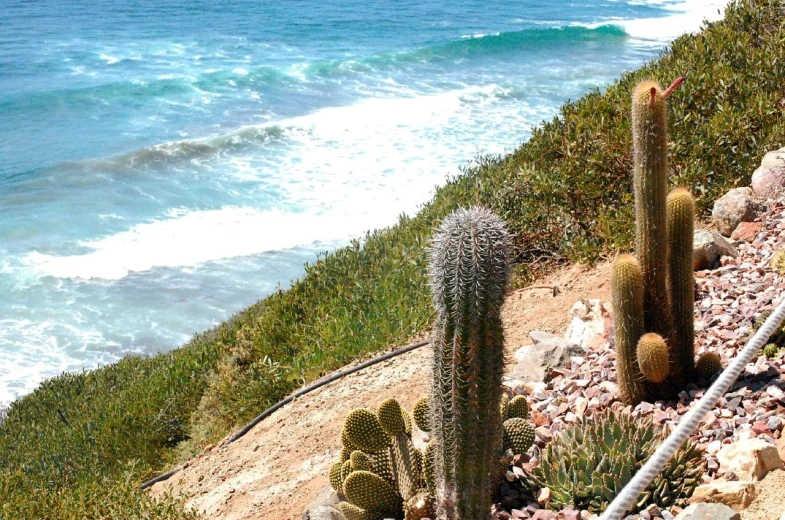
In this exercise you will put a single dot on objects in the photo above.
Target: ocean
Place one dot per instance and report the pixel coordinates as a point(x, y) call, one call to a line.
point(164, 164)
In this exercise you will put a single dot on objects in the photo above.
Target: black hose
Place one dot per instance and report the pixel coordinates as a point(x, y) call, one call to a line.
point(310, 388)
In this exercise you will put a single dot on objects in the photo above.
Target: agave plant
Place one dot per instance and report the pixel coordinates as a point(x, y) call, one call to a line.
point(588, 465)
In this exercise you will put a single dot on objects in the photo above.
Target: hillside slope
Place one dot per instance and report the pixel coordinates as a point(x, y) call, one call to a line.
point(276, 469)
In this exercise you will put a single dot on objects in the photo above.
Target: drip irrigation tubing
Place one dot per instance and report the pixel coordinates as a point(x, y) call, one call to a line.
point(299, 393)
point(691, 420)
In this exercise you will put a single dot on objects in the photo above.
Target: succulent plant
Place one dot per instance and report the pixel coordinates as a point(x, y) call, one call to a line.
point(681, 224)
point(504, 406)
point(653, 357)
point(406, 459)
point(708, 365)
point(420, 506)
point(778, 261)
point(650, 176)
point(336, 477)
point(587, 465)
point(518, 435)
point(369, 491)
point(361, 461)
point(352, 512)
point(421, 413)
point(656, 294)
point(627, 300)
point(518, 407)
point(468, 273)
point(771, 350)
point(362, 430)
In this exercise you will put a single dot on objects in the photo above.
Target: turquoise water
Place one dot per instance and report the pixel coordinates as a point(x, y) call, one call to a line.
point(165, 164)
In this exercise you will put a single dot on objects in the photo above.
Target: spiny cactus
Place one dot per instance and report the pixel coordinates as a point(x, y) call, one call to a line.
point(420, 506)
point(627, 298)
point(421, 413)
point(504, 406)
point(428, 471)
point(361, 461)
point(372, 493)
point(407, 464)
point(653, 357)
point(518, 435)
point(681, 223)
point(362, 430)
point(346, 469)
point(336, 477)
point(352, 512)
point(587, 465)
point(518, 407)
point(708, 365)
point(650, 176)
point(468, 273)
point(771, 350)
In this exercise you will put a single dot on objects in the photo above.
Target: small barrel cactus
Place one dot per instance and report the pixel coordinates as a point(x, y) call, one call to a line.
point(653, 357)
point(708, 365)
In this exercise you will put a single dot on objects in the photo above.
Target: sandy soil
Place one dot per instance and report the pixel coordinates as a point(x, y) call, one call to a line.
point(769, 503)
point(277, 468)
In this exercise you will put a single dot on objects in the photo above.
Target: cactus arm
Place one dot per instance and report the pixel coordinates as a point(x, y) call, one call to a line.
point(627, 299)
point(681, 219)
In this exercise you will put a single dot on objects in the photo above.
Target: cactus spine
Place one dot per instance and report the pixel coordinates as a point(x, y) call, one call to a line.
point(681, 219)
point(650, 176)
point(627, 298)
point(468, 272)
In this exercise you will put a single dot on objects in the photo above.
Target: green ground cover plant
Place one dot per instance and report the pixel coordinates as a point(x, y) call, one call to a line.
point(79, 445)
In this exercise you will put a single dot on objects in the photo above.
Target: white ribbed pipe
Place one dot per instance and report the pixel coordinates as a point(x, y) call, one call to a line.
point(691, 420)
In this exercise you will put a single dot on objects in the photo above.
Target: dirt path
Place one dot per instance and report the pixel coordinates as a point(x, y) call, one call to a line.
point(277, 468)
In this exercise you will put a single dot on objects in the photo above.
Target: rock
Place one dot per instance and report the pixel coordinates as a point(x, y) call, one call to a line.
point(323, 506)
point(544, 433)
point(708, 512)
point(708, 247)
point(768, 181)
point(750, 460)
point(746, 231)
point(534, 363)
point(736, 495)
point(780, 445)
point(543, 496)
point(591, 324)
point(738, 205)
point(324, 513)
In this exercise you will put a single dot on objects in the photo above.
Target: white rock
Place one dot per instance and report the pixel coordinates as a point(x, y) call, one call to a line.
point(751, 459)
point(768, 181)
point(590, 325)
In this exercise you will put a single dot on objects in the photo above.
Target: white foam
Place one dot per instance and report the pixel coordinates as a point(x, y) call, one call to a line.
point(345, 170)
point(189, 239)
point(687, 17)
point(110, 60)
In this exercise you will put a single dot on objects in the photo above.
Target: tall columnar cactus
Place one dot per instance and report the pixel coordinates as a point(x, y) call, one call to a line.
point(468, 271)
point(627, 298)
point(681, 223)
point(650, 176)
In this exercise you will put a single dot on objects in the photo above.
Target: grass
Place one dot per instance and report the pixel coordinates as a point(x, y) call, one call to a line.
point(565, 194)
